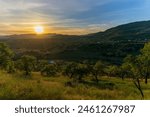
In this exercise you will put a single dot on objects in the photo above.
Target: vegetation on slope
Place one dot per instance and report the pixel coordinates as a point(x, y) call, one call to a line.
point(84, 75)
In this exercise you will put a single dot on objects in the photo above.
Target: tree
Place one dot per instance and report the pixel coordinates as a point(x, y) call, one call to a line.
point(123, 70)
point(49, 70)
point(69, 69)
point(144, 60)
point(27, 63)
point(140, 67)
point(10, 67)
point(135, 71)
point(6, 56)
point(97, 70)
point(111, 70)
point(80, 71)
point(77, 71)
point(41, 64)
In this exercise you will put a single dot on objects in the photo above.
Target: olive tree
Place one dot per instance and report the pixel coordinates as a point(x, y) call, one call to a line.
point(49, 70)
point(97, 70)
point(69, 69)
point(123, 71)
point(6, 56)
point(80, 71)
point(140, 67)
point(41, 64)
point(144, 60)
point(135, 71)
point(76, 71)
point(27, 64)
point(111, 70)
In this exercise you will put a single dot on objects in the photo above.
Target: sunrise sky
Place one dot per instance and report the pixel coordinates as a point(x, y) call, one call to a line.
point(69, 16)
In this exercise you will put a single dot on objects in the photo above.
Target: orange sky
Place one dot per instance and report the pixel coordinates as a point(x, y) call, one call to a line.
point(69, 16)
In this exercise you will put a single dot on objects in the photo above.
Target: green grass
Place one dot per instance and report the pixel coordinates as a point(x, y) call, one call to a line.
point(37, 87)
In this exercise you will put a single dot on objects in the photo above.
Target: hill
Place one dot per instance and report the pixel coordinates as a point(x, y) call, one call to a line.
point(136, 31)
point(111, 45)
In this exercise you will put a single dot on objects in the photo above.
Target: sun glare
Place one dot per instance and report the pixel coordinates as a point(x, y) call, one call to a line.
point(39, 29)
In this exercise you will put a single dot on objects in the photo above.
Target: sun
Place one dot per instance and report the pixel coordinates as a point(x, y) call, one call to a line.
point(39, 29)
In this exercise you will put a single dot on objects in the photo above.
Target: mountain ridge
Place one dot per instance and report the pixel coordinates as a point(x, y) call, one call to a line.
point(132, 31)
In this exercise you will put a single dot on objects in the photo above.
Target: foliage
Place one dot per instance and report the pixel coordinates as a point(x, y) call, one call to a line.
point(97, 70)
point(144, 60)
point(10, 67)
point(6, 55)
point(140, 67)
point(69, 69)
point(111, 70)
point(27, 64)
point(49, 70)
point(77, 71)
point(123, 71)
point(41, 64)
point(135, 68)
point(80, 71)
point(135, 71)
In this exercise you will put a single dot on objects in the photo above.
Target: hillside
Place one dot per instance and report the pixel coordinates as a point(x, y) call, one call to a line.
point(136, 31)
point(111, 45)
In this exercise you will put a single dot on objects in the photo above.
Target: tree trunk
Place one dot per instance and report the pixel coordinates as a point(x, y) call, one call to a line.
point(122, 77)
point(27, 73)
point(80, 78)
point(146, 78)
point(138, 85)
point(96, 79)
point(71, 75)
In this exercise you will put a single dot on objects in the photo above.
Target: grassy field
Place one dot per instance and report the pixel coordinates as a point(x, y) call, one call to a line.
point(37, 87)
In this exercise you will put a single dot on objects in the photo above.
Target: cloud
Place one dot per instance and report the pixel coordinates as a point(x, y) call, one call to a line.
point(90, 15)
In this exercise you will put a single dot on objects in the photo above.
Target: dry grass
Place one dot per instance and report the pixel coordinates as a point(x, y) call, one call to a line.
point(37, 87)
